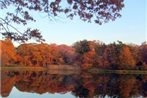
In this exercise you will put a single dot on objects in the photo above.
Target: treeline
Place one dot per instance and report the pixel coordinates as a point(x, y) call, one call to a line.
point(86, 54)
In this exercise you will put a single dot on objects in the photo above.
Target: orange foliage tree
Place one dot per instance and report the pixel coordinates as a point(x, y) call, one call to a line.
point(7, 53)
point(34, 54)
point(88, 59)
point(126, 59)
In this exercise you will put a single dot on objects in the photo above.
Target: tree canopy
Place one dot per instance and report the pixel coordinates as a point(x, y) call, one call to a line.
point(98, 11)
point(115, 56)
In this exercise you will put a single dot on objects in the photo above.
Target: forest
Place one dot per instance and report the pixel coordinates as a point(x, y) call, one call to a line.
point(84, 54)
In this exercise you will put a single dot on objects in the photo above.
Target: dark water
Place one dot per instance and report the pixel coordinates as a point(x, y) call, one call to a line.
point(31, 84)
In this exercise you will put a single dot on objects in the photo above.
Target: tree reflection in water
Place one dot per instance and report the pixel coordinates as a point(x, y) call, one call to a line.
point(83, 85)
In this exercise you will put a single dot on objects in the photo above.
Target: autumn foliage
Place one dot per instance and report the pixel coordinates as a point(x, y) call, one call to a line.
point(84, 54)
point(7, 52)
point(126, 58)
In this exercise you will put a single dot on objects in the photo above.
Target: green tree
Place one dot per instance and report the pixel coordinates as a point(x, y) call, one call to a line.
point(84, 46)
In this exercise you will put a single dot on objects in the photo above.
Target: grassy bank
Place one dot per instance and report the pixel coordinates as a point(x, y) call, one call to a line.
point(54, 67)
point(50, 67)
point(49, 71)
point(23, 68)
point(105, 71)
point(93, 70)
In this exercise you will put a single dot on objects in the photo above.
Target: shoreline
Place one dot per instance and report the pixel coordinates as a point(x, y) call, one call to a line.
point(107, 71)
point(93, 70)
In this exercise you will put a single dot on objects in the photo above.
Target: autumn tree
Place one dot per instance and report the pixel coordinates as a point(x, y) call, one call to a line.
point(35, 54)
point(8, 54)
point(143, 52)
point(99, 11)
point(143, 55)
point(67, 53)
point(24, 51)
point(89, 59)
point(56, 56)
point(44, 54)
point(112, 52)
point(101, 51)
point(97, 54)
point(86, 55)
point(126, 60)
point(134, 49)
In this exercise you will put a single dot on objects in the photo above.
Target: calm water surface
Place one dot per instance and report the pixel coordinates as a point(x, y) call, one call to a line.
point(31, 84)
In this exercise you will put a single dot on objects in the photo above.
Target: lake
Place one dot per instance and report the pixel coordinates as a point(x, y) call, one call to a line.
point(65, 84)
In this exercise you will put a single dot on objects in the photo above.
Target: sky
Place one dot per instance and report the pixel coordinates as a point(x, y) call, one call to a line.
point(130, 28)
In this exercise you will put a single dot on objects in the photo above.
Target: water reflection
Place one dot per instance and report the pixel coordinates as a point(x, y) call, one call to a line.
point(83, 85)
point(15, 93)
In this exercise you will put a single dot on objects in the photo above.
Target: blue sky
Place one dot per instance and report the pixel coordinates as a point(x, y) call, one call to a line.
point(130, 28)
